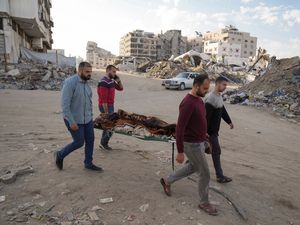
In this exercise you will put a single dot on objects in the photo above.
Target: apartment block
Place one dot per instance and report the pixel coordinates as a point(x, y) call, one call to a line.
point(98, 57)
point(195, 43)
point(222, 49)
point(140, 44)
point(232, 35)
point(24, 23)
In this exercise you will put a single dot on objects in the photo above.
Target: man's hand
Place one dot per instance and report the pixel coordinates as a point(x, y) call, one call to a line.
point(231, 126)
point(74, 127)
point(180, 158)
point(117, 78)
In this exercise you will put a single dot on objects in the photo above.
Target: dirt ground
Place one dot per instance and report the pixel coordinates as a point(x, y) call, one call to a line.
point(261, 154)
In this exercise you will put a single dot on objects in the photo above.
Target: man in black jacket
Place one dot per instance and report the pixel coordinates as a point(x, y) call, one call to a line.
point(215, 111)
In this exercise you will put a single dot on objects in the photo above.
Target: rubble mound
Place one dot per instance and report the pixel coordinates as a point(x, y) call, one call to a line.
point(277, 87)
point(28, 75)
point(280, 75)
point(167, 69)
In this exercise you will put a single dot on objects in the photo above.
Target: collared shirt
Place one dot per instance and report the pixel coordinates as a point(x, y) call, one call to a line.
point(76, 100)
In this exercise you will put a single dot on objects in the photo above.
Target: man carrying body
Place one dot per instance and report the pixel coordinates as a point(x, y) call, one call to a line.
point(76, 104)
point(215, 111)
point(191, 134)
point(106, 96)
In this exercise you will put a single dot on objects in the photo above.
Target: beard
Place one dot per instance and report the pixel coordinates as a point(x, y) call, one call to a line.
point(200, 94)
point(88, 77)
point(110, 76)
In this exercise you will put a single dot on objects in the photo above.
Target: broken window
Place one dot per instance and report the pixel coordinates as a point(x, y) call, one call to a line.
point(1, 23)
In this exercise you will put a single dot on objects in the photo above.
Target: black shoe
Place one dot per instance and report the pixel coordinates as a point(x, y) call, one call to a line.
point(94, 167)
point(58, 161)
point(105, 147)
point(224, 179)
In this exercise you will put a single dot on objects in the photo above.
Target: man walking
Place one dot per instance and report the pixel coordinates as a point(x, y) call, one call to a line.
point(215, 111)
point(76, 104)
point(191, 131)
point(106, 96)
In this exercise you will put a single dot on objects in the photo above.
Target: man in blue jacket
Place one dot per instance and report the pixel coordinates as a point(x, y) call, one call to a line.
point(76, 104)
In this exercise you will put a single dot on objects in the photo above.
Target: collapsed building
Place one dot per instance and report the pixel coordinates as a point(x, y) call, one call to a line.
point(24, 23)
point(98, 57)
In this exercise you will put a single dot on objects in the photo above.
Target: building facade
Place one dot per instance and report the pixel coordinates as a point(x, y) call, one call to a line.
point(98, 57)
point(232, 35)
point(196, 44)
point(24, 23)
point(222, 49)
point(139, 43)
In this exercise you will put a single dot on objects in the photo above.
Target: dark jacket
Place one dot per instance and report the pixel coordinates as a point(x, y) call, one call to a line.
point(215, 111)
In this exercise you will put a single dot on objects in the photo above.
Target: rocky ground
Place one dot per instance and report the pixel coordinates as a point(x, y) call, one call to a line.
point(261, 154)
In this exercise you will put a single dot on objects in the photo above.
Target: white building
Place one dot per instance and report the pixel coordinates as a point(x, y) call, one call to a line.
point(222, 49)
point(24, 23)
point(232, 35)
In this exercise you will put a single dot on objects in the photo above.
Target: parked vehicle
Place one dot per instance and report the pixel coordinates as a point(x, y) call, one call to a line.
point(182, 81)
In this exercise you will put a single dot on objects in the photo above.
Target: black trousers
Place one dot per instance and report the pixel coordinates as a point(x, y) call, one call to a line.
point(216, 154)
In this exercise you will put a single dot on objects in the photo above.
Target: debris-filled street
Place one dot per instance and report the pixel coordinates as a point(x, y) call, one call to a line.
point(261, 154)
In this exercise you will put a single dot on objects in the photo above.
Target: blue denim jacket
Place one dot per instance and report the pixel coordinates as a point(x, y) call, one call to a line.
point(76, 100)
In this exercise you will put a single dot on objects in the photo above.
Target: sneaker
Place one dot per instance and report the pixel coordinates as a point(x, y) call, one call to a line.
point(95, 168)
point(58, 161)
point(105, 147)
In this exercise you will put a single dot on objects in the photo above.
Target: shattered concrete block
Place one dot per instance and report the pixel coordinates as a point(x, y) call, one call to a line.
point(93, 216)
point(8, 178)
point(106, 200)
point(47, 76)
point(2, 198)
point(144, 207)
point(14, 72)
point(23, 170)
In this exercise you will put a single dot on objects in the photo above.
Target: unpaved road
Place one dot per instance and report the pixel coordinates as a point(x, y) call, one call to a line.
point(261, 154)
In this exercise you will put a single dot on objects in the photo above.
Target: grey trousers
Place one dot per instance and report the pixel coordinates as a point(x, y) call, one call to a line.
point(195, 152)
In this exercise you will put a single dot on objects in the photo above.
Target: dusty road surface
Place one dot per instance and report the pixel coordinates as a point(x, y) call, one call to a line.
point(261, 154)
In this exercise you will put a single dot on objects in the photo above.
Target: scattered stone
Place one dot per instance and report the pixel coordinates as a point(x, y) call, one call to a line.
point(21, 219)
point(131, 218)
point(96, 208)
point(2, 198)
point(144, 207)
point(42, 204)
point(69, 216)
point(8, 178)
point(47, 76)
point(93, 216)
point(14, 72)
point(106, 200)
point(10, 213)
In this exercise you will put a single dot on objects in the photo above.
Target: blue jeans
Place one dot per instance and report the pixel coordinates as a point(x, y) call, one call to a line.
point(85, 134)
point(106, 134)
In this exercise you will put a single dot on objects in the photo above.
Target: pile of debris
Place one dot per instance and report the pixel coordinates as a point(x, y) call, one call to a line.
point(167, 69)
point(28, 75)
point(278, 87)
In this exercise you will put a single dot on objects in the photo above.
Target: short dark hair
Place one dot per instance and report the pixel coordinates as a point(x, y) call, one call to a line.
point(84, 64)
point(109, 67)
point(221, 79)
point(199, 80)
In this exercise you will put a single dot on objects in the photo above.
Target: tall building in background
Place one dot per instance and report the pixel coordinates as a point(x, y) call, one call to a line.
point(196, 43)
point(171, 43)
point(98, 57)
point(24, 23)
point(232, 36)
point(139, 43)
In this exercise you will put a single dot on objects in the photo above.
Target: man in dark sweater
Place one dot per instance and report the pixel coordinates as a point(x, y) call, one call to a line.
point(191, 135)
point(215, 111)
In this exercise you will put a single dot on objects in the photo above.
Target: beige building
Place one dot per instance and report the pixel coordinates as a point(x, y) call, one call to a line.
point(171, 43)
point(98, 57)
point(24, 23)
point(195, 43)
point(222, 49)
point(139, 43)
point(232, 35)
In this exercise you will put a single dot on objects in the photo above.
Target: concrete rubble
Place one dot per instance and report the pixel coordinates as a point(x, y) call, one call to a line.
point(10, 176)
point(29, 75)
point(277, 88)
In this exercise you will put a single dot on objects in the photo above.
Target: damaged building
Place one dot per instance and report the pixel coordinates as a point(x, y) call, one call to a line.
point(98, 57)
point(231, 42)
point(24, 23)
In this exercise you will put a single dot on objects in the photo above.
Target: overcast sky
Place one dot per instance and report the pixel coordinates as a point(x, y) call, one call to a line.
point(276, 23)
